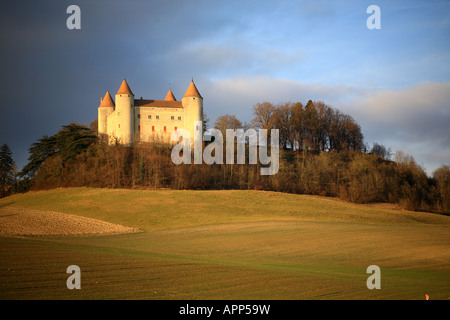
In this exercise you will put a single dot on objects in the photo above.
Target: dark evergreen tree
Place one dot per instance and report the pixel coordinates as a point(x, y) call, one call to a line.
point(7, 176)
point(39, 151)
point(70, 141)
point(73, 139)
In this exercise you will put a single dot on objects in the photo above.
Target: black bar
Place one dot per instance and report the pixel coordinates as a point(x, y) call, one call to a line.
point(227, 309)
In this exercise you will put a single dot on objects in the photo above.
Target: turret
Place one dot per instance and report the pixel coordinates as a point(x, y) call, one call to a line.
point(170, 96)
point(124, 114)
point(105, 108)
point(193, 104)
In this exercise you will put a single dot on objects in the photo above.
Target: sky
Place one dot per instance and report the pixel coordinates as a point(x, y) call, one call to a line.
point(394, 81)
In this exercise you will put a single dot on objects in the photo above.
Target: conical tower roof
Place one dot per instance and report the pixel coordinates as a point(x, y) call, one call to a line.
point(170, 96)
point(107, 101)
point(192, 91)
point(124, 88)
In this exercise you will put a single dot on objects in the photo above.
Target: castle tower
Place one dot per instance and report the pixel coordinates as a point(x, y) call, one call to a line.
point(105, 108)
point(193, 104)
point(170, 96)
point(124, 114)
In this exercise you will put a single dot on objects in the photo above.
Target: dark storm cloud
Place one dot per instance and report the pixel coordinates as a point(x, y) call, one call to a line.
point(52, 76)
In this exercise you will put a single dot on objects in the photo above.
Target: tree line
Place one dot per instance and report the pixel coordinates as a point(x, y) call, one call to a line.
point(314, 127)
point(323, 154)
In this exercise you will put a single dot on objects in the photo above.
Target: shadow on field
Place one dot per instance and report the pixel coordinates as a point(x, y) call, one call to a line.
point(6, 204)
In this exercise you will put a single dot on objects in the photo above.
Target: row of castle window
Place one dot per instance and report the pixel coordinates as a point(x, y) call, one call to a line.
point(153, 128)
point(157, 117)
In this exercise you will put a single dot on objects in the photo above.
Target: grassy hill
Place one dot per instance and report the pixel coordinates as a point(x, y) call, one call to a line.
point(228, 245)
point(167, 209)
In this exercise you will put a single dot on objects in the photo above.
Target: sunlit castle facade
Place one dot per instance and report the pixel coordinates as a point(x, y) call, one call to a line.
point(129, 120)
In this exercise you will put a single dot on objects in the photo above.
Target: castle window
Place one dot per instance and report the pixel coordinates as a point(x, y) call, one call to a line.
point(157, 117)
point(172, 118)
point(149, 116)
point(179, 118)
point(139, 115)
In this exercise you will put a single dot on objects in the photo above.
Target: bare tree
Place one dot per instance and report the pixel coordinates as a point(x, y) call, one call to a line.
point(263, 113)
point(205, 121)
point(298, 124)
point(442, 177)
point(225, 122)
point(283, 122)
point(381, 151)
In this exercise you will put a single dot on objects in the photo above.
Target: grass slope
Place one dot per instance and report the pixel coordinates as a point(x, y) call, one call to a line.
point(228, 245)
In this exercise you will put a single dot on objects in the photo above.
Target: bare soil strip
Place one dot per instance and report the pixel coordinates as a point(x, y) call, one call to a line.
point(27, 222)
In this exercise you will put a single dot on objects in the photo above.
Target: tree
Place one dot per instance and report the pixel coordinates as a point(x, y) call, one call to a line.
point(44, 148)
point(205, 121)
point(442, 177)
point(311, 124)
point(284, 123)
point(381, 151)
point(324, 118)
point(412, 182)
point(264, 117)
point(345, 133)
point(263, 113)
point(337, 135)
point(225, 122)
point(7, 176)
point(73, 139)
point(94, 125)
point(354, 139)
point(68, 142)
point(298, 124)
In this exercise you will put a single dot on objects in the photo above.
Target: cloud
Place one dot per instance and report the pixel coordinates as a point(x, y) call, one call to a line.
point(226, 59)
point(418, 113)
point(414, 119)
point(237, 95)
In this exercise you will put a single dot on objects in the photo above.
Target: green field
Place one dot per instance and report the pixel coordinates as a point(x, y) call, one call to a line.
point(228, 245)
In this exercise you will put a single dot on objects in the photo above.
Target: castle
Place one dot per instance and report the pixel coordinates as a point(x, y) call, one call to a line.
point(129, 120)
